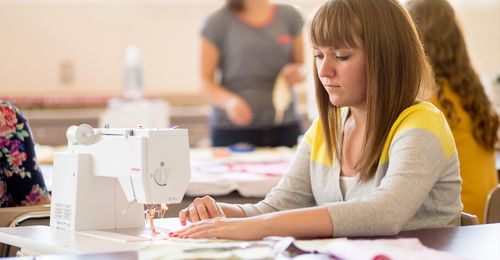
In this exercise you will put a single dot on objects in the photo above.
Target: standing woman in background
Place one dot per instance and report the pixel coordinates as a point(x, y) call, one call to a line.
point(462, 99)
point(21, 181)
point(251, 42)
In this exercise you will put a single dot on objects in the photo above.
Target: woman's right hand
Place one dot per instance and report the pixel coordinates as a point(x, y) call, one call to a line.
point(200, 209)
point(238, 111)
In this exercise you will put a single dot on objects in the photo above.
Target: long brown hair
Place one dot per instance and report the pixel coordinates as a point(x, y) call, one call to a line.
point(446, 49)
point(397, 72)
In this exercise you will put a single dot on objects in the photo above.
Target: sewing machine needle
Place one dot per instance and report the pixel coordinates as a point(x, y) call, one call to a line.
point(151, 216)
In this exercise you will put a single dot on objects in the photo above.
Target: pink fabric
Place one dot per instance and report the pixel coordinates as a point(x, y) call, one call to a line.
point(265, 168)
point(401, 248)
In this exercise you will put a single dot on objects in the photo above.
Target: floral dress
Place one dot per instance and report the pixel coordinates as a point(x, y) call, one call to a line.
point(21, 181)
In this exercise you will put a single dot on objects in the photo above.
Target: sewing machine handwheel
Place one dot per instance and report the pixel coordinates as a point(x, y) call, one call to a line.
point(82, 134)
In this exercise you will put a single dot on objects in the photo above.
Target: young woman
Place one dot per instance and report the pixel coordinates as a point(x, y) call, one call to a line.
point(250, 42)
point(377, 161)
point(21, 181)
point(462, 99)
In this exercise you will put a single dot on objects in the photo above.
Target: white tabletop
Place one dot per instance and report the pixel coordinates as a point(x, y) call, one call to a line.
point(467, 242)
point(46, 240)
point(43, 240)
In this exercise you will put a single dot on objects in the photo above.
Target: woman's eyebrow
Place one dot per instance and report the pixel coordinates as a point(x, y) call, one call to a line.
point(324, 48)
point(333, 48)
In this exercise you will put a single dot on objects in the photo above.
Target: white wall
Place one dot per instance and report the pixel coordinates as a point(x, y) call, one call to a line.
point(480, 20)
point(87, 39)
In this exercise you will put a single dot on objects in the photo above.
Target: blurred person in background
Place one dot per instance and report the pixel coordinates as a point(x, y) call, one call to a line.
point(251, 43)
point(462, 98)
point(21, 181)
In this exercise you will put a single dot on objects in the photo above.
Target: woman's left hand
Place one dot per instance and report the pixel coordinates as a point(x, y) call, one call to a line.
point(293, 73)
point(225, 228)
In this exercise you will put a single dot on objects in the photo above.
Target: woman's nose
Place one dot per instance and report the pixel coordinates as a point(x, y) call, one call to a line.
point(326, 69)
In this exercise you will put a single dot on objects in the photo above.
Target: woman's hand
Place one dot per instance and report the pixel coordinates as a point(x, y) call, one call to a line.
point(313, 222)
point(238, 111)
point(224, 228)
point(200, 209)
point(293, 73)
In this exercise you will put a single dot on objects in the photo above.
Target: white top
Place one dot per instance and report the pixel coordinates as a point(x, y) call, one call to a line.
point(347, 183)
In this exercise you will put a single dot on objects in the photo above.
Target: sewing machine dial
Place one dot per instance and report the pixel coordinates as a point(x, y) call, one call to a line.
point(161, 176)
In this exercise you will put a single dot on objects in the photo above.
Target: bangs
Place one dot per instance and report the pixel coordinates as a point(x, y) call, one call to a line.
point(335, 25)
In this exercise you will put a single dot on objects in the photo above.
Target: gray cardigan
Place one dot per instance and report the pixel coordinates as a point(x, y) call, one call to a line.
point(416, 185)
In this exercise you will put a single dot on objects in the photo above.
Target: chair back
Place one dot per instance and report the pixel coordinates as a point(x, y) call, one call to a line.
point(468, 219)
point(492, 208)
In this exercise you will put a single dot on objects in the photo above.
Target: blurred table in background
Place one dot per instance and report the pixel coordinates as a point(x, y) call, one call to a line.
point(234, 177)
point(50, 115)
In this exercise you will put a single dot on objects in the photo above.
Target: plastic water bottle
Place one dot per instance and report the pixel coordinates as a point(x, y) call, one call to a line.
point(133, 81)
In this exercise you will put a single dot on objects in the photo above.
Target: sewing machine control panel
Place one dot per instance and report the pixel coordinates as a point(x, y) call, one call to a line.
point(161, 176)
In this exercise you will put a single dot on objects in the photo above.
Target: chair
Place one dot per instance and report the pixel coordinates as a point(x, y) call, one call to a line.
point(492, 208)
point(468, 219)
point(22, 216)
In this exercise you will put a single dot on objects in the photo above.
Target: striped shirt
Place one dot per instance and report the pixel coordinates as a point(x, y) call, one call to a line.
point(250, 59)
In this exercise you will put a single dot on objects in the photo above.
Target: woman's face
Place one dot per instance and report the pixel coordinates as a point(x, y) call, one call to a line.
point(343, 75)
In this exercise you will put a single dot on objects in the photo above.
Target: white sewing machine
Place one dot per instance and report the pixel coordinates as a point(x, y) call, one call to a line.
point(107, 175)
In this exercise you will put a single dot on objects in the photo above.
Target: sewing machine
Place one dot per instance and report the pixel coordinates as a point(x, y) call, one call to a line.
point(107, 175)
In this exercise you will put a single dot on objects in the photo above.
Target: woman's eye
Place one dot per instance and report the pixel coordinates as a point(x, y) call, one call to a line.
point(342, 58)
point(318, 56)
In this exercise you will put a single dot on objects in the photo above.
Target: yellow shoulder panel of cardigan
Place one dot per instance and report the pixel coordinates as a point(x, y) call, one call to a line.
point(423, 115)
point(314, 137)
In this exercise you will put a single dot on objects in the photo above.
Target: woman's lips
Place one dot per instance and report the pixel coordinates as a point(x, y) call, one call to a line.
point(332, 86)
